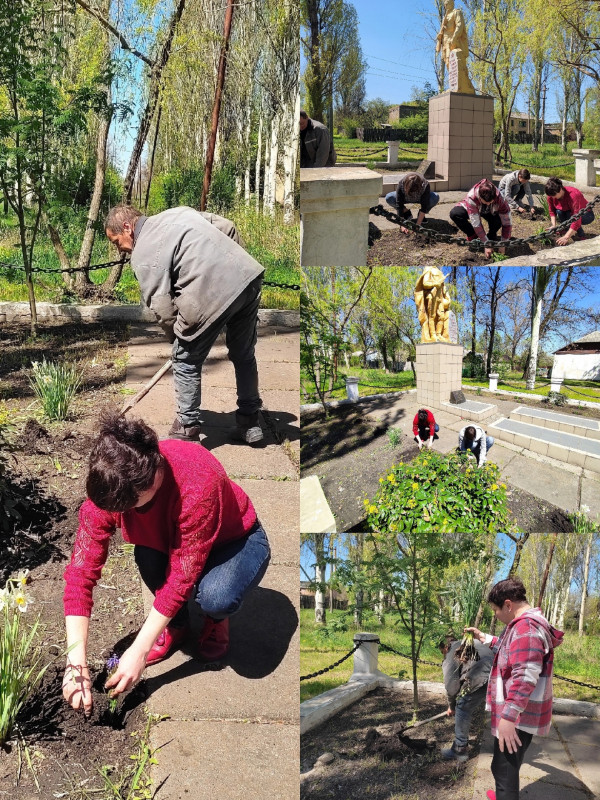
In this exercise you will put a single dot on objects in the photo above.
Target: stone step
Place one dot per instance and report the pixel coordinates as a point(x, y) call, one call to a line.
point(390, 182)
point(567, 423)
point(577, 450)
point(315, 514)
point(471, 410)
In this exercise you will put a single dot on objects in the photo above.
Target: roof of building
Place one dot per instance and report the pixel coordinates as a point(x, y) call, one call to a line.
point(588, 343)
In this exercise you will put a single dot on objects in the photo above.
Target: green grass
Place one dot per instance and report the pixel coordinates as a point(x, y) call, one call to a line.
point(575, 658)
point(349, 150)
point(267, 239)
point(372, 381)
point(588, 391)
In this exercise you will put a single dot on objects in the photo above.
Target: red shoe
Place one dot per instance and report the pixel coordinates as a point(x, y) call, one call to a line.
point(214, 639)
point(490, 794)
point(166, 643)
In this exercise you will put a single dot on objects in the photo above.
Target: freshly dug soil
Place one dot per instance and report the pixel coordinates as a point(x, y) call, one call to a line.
point(392, 247)
point(350, 452)
point(373, 758)
point(47, 468)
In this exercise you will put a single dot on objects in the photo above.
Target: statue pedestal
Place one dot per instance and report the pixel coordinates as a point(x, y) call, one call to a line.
point(439, 372)
point(461, 139)
point(334, 207)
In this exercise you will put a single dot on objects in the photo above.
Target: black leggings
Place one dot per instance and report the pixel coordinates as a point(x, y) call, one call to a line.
point(460, 217)
point(506, 766)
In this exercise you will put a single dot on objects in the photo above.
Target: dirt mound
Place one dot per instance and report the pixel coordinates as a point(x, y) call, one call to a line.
point(395, 744)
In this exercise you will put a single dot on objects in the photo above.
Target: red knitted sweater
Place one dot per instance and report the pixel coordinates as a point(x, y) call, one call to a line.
point(196, 507)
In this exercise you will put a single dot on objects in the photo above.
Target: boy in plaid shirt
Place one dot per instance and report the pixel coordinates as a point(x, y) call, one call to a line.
point(519, 692)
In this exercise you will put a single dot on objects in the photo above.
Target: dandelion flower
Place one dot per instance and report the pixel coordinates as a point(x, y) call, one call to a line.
point(372, 509)
point(494, 487)
point(415, 486)
point(503, 485)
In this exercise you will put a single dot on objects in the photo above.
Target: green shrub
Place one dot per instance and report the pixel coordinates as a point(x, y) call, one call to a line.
point(441, 492)
point(20, 657)
point(183, 187)
point(394, 436)
point(556, 399)
point(55, 386)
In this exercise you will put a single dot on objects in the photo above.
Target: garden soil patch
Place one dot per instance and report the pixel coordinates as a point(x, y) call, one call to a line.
point(392, 247)
point(373, 758)
point(47, 468)
point(350, 452)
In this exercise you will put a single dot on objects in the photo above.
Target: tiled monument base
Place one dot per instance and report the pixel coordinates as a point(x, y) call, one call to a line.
point(461, 139)
point(439, 372)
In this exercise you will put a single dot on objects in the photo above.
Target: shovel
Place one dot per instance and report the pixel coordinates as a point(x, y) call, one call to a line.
point(129, 404)
point(423, 721)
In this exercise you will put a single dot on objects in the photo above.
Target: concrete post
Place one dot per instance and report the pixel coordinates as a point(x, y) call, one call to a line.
point(493, 376)
point(555, 384)
point(585, 170)
point(352, 389)
point(366, 657)
point(334, 210)
point(392, 152)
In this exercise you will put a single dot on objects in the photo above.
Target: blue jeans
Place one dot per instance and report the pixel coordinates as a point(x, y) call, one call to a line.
point(588, 217)
point(465, 708)
point(475, 447)
point(230, 572)
point(434, 199)
point(239, 320)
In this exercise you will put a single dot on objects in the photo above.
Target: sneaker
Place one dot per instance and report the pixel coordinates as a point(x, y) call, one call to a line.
point(214, 639)
point(188, 433)
point(166, 643)
point(456, 753)
point(247, 428)
point(490, 794)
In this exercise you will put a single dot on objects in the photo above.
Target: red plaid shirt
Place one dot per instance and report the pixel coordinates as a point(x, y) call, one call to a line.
point(520, 685)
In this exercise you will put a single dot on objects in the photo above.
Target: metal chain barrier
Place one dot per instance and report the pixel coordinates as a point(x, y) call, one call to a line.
point(332, 666)
point(477, 244)
point(389, 649)
point(579, 683)
point(534, 166)
point(294, 286)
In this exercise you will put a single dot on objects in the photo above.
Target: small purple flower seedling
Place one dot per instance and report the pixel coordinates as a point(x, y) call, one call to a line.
point(111, 666)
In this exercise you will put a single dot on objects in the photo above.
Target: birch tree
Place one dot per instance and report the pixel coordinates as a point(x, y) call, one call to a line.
point(540, 281)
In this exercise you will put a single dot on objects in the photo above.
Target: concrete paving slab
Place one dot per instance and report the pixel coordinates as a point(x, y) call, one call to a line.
point(315, 514)
point(544, 481)
point(590, 497)
point(549, 436)
point(277, 505)
point(228, 761)
point(258, 678)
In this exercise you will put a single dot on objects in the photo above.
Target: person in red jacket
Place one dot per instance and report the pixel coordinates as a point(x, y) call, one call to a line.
point(425, 428)
point(519, 692)
point(564, 202)
point(195, 534)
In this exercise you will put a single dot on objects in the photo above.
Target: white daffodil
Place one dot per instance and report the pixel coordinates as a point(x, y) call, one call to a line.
point(22, 578)
point(4, 598)
point(585, 509)
point(21, 600)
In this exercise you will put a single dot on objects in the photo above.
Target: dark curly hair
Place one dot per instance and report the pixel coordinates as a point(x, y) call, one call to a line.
point(508, 589)
point(553, 186)
point(123, 462)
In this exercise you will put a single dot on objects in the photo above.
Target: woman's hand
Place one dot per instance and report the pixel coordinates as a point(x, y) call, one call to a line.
point(507, 736)
point(77, 687)
point(129, 671)
point(477, 634)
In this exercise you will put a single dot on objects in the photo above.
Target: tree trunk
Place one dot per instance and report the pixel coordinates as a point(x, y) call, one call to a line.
point(151, 168)
point(584, 588)
point(546, 571)
point(535, 338)
point(320, 567)
point(269, 200)
point(289, 158)
point(153, 95)
point(257, 167)
point(62, 255)
point(217, 105)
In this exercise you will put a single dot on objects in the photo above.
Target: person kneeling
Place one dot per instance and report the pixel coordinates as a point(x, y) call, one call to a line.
point(425, 428)
point(412, 188)
point(473, 439)
point(484, 201)
point(563, 203)
point(195, 534)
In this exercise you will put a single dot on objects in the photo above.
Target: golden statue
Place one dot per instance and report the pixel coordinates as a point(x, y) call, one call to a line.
point(433, 304)
point(452, 38)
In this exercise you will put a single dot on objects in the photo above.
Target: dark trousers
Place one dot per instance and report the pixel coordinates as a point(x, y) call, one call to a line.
point(562, 216)
point(240, 322)
point(460, 218)
point(506, 766)
point(518, 193)
point(230, 572)
point(425, 433)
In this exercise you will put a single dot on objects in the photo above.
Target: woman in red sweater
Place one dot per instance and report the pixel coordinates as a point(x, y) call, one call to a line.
point(425, 428)
point(563, 203)
point(195, 534)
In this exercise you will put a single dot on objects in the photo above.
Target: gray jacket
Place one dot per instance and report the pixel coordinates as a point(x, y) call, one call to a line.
point(476, 672)
point(319, 146)
point(506, 185)
point(190, 267)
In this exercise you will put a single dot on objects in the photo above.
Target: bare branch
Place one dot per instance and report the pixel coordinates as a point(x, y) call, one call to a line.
point(109, 27)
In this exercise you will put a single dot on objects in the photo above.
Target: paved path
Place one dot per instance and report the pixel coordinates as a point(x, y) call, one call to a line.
point(564, 485)
point(562, 765)
point(234, 732)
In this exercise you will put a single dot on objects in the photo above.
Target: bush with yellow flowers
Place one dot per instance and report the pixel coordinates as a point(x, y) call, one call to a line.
point(448, 493)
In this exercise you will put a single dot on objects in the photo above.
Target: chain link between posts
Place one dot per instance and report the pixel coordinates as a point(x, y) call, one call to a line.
point(332, 666)
point(477, 244)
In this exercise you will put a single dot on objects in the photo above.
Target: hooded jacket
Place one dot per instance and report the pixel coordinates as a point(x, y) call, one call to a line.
point(190, 268)
point(520, 685)
point(466, 678)
point(318, 144)
point(475, 206)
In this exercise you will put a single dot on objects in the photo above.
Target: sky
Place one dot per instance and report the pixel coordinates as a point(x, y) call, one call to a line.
point(396, 42)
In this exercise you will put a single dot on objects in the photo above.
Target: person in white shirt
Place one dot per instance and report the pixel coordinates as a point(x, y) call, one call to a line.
point(473, 438)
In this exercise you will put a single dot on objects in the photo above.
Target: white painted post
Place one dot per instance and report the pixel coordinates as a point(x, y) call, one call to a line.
point(493, 376)
point(555, 384)
point(392, 152)
point(585, 171)
point(365, 658)
point(352, 389)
